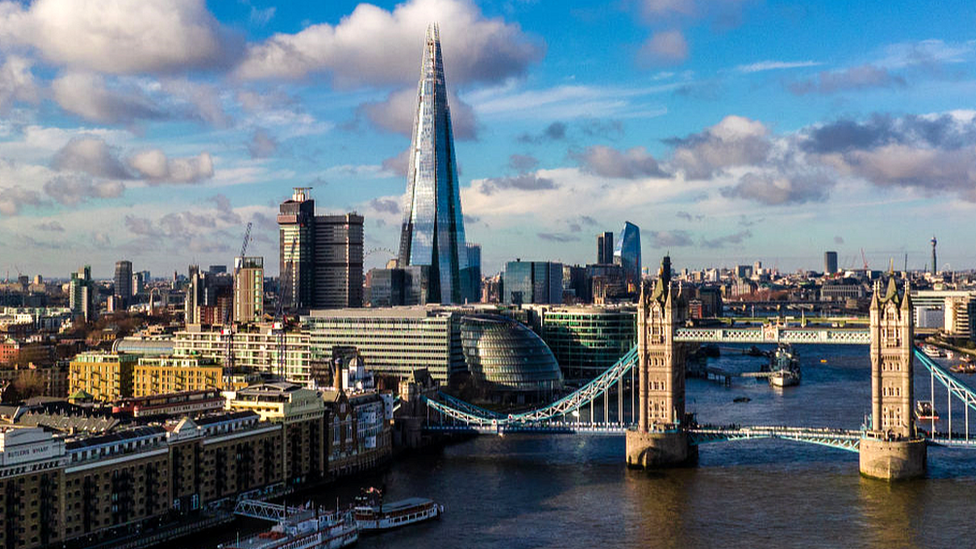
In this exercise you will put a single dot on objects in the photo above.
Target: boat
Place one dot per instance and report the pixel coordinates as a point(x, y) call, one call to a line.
point(925, 411)
point(741, 399)
point(307, 529)
point(933, 351)
point(963, 368)
point(784, 367)
point(373, 515)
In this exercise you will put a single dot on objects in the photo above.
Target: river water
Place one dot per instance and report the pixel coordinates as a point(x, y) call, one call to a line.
point(575, 491)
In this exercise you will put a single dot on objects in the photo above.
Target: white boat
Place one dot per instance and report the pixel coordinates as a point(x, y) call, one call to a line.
point(373, 516)
point(933, 351)
point(311, 529)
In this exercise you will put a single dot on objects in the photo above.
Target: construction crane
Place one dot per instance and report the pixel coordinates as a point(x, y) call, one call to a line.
point(228, 328)
point(865, 260)
point(278, 324)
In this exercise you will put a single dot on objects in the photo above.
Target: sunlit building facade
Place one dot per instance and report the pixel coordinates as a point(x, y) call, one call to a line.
point(432, 233)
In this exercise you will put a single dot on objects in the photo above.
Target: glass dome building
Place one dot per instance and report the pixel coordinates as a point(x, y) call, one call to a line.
point(508, 360)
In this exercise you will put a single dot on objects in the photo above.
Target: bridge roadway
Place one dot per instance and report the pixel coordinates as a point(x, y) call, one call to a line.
point(842, 439)
point(772, 333)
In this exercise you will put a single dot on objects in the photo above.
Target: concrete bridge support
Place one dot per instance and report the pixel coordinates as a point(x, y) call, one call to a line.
point(659, 450)
point(892, 449)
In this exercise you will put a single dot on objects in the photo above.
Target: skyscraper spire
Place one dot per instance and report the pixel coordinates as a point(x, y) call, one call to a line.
point(432, 233)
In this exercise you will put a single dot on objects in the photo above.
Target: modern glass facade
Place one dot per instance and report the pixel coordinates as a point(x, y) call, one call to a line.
point(532, 282)
point(504, 356)
point(433, 228)
point(295, 221)
point(628, 254)
point(588, 340)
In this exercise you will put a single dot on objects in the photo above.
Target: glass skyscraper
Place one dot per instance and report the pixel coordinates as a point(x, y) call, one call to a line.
point(433, 229)
point(628, 254)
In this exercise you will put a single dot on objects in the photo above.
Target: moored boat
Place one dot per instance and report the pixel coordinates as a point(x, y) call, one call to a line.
point(933, 351)
point(373, 515)
point(925, 411)
point(784, 367)
point(308, 529)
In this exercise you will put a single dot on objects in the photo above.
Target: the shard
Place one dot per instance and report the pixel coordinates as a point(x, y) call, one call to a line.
point(432, 235)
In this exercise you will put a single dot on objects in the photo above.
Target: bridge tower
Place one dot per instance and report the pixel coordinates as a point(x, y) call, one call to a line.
point(661, 438)
point(891, 448)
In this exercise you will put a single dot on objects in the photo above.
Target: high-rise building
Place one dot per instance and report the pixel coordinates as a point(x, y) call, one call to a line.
point(474, 272)
point(830, 262)
point(532, 282)
point(248, 289)
point(321, 263)
point(935, 264)
point(432, 233)
point(81, 296)
point(123, 281)
point(604, 248)
point(337, 259)
point(295, 219)
point(627, 254)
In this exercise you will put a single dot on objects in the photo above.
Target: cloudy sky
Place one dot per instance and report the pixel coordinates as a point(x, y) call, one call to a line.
point(729, 131)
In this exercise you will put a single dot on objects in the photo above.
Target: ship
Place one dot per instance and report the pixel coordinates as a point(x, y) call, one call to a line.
point(307, 529)
point(784, 367)
point(374, 516)
point(933, 351)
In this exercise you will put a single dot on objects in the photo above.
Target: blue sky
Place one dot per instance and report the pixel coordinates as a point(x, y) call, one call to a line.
point(728, 131)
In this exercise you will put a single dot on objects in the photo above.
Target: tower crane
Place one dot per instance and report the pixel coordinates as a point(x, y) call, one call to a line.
point(228, 328)
point(864, 259)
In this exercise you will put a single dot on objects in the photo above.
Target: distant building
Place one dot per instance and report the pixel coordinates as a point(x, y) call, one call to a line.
point(123, 282)
point(532, 282)
point(830, 263)
point(604, 248)
point(82, 292)
point(105, 376)
point(162, 375)
point(321, 261)
point(627, 254)
point(255, 349)
point(576, 286)
point(398, 286)
point(248, 289)
point(473, 273)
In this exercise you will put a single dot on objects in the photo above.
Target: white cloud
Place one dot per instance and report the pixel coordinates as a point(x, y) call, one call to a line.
point(154, 165)
point(71, 190)
point(121, 36)
point(91, 155)
point(86, 95)
point(16, 82)
point(630, 164)
point(567, 102)
point(761, 66)
point(663, 48)
point(375, 46)
point(734, 141)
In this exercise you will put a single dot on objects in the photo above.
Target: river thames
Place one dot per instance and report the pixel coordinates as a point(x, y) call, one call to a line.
point(575, 491)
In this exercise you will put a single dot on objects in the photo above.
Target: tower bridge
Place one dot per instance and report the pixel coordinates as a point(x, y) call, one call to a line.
point(660, 433)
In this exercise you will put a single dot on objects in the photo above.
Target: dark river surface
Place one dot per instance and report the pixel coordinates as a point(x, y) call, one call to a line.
point(575, 491)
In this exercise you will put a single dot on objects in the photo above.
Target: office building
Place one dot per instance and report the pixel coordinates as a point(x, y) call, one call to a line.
point(209, 298)
point(82, 293)
point(393, 341)
point(337, 261)
point(604, 248)
point(830, 263)
point(627, 254)
point(123, 282)
point(248, 289)
point(532, 282)
point(474, 273)
point(587, 340)
point(321, 259)
point(432, 233)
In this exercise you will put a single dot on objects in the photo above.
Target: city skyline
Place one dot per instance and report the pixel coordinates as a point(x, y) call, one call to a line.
point(728, 134)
